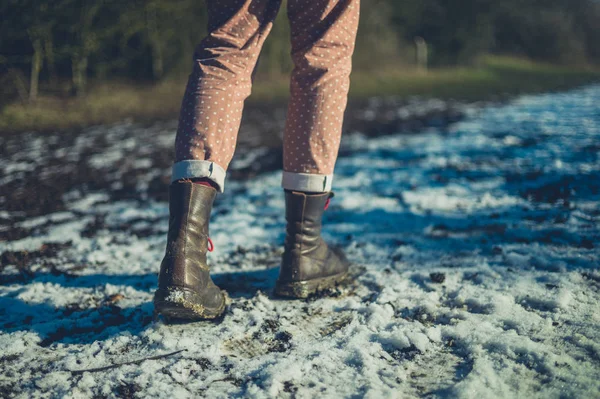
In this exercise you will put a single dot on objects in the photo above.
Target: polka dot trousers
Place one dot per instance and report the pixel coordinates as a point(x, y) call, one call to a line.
point(323, 34)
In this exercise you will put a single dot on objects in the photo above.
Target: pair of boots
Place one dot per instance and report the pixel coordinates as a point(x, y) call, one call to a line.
point(185, 289)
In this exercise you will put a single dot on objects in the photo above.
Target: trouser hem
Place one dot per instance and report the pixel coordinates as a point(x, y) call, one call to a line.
point(191, 169)
point(306, 182)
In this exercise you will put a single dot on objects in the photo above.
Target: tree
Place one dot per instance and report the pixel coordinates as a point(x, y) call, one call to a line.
point(86, 40)
point(35, 20)
point(457, 30)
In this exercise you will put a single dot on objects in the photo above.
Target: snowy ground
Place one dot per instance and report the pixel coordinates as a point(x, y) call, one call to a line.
point(479, 246)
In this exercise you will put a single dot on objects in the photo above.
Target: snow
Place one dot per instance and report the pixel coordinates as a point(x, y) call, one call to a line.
point(504, 208)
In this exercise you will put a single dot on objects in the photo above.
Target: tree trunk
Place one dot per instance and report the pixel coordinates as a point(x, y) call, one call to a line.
point(86, 47)
point(155, 44)
point(49, 52)
point(157, 60)
point(422, 53)
point(79, 67)
point(36, 67)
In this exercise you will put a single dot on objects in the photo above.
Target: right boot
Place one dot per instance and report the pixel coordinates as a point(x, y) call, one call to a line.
point(185, 289)
point(308, 264)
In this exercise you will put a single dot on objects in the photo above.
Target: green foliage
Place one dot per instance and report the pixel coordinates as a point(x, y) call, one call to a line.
point(378, 40)
point(275, 56)
point(56, 46)
point(456, 30)
point(553, 31)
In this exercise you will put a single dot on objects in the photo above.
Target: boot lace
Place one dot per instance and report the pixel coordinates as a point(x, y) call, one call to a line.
point(331, 195)
point(211, 246)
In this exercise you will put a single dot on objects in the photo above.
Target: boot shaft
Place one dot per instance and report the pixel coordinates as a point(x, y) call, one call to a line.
point(304, 215)
point(190, 206)
point(185, 262)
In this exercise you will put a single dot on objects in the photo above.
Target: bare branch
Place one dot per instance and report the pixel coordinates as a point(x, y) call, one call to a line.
point(114, 366)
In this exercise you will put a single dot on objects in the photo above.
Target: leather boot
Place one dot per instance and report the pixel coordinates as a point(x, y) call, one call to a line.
point(308, 264)
point(185, 289)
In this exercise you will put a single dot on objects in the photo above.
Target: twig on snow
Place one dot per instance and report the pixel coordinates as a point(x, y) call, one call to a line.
point(113, 366)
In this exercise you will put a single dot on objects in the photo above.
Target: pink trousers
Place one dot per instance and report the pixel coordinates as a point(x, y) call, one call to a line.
point(323, 34)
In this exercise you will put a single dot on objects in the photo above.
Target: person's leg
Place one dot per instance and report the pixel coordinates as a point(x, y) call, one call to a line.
point(323, 36)
point(221, 80)
point(208, 125)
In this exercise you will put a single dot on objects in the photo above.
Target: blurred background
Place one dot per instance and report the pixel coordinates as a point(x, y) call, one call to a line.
point(447, 167)
point(73, 63)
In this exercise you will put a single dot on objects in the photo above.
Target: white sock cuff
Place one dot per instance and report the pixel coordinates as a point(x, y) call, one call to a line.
point(306, 182)
point(191, 169)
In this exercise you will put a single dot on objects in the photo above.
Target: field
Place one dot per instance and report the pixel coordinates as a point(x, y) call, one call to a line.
point(494, 78)
point(473, 228)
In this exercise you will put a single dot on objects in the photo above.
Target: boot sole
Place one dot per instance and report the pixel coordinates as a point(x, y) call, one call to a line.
point(184, 304)
point(304, 289)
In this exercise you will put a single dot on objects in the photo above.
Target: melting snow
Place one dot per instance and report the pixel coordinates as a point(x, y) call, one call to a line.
point(479, 257)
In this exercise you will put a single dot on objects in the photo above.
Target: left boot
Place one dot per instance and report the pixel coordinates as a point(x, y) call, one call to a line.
point(308, 264)
point(185, 288)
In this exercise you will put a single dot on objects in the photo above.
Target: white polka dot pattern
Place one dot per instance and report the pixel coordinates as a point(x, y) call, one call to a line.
point(323, 34)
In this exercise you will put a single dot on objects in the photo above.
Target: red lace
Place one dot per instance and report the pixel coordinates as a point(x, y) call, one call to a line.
point(327, 203)
point(211, 246)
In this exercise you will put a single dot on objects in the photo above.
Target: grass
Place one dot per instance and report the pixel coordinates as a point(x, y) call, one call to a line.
point(495, 76)
point(107, 103)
